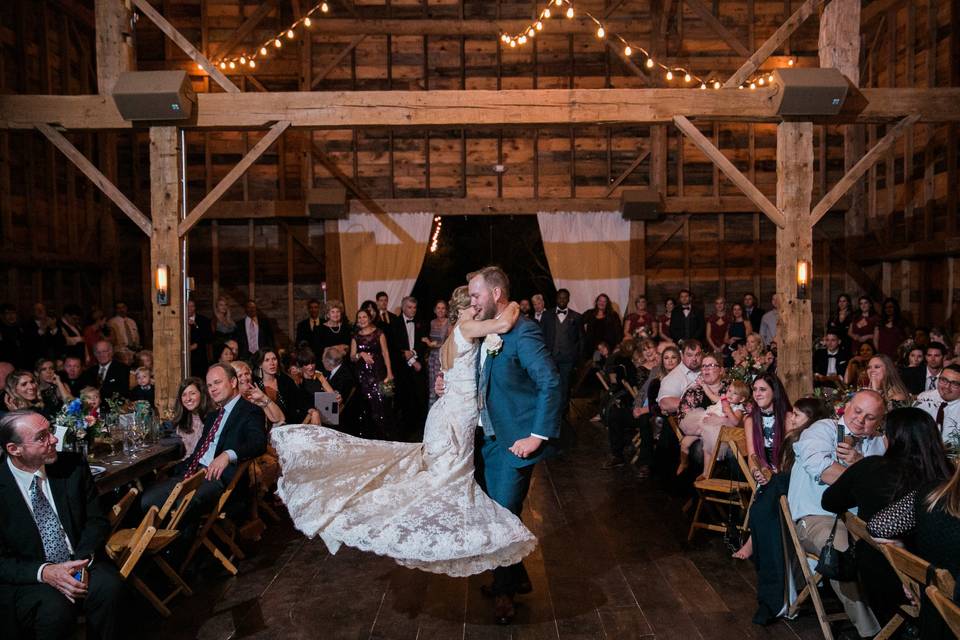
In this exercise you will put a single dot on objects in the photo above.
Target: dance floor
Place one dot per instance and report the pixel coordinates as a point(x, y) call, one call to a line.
point(613, 562)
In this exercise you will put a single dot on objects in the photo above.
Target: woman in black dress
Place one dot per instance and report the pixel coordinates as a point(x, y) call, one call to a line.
point(368, 350)
point(334, 332)
point(601, 324)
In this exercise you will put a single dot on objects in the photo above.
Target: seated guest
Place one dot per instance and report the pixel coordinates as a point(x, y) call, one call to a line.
point(344, 383)
point(929, 522)
point(144, 359)
point(235, 432)
point(943, 403)
point(144, 389)
point(912, 357)
point(646, 413)
point(765, 544)
point(883, 378)
point(72, 375)
point(23, 392)
point(71, 332)
point(697, 421)
point(830, 362)
point(856, 375)
point(820, 461)
point(190, 407)
point(52, 390)
point(108, 375)
point(51, 527)
point(914, 458)
point(278, 386)
point(91, 402)
point(253, 393)
point(228, 352)
point(676, 382)
point(309, 329)
point(924, 377)
point(95, 330)
point(766, 426)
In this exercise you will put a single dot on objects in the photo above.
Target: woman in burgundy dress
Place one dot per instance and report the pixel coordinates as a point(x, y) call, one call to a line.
point(368, 349)
point(640, 324)
point(718, 325)
point(890, 331)
point(663, 321)
point(864, 323)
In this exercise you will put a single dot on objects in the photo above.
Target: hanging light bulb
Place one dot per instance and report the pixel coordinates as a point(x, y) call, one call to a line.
point(669, 75)
point(761, 81)
point(253, 65)
point(324, 7)
point(570, 12)
point(703, 85)
point(290, 34)
point(513, 43)
point(223, 65)
point(199, 67)
point(770, 78)
point(790, 62)
point(686, 77)
point(523, 39)
point(233, 65)
point(263, 51)
point(716, 84)
point(753, 85)
point(559, 2)
point(243, 59)
point(539, 26)
point(649, 63)
point(627, 51)
point(306, 22)
point(531, 32)
point(601, 32)
point(277, 43)
point(546, 12)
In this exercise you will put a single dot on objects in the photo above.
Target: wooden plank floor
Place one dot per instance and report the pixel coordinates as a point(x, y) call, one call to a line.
point(613, 562)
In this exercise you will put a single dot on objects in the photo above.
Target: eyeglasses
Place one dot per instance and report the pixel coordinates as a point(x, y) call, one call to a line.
point(42, 437)
point(953, 384)
point(710, 366)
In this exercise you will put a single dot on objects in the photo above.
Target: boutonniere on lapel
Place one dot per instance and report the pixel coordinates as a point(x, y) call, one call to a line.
point(493, 343)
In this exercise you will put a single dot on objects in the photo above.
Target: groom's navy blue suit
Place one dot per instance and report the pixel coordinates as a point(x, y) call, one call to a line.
point(520, 395)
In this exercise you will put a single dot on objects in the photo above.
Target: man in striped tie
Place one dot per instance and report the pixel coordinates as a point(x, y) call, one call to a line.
point(52, 532)
point(234, 432)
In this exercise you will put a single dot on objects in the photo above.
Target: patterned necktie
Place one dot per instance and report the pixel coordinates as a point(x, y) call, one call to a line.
point(202, 448)
point(940, 415)
point(51, 531)
point(101, 374)
point(932, 383)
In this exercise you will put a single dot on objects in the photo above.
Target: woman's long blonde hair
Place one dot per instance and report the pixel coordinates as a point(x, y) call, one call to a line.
point(459, 300)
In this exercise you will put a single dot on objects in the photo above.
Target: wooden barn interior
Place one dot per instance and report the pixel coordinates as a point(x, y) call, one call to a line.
point(437, 106)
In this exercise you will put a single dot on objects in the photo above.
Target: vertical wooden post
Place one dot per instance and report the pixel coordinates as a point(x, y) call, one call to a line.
point(840, 48)
point(794, 243)
point(114, 49)
point(166, 248)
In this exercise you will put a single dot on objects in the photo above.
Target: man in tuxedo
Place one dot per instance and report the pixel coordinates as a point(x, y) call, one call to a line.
point(687, 322)
point(235, 432)
point(201, 337)
point(830, 363)
point(51, 528)
point(111, 376)
point(385, 320)
point(342, 380)
point(408, 358)
point(539, 306)
point(253, 332)
point(751, 311)
point(563, 334)
point(308, 329)
point(924, 377)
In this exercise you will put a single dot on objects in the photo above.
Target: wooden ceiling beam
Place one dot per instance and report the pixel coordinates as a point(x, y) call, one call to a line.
point(472, 108)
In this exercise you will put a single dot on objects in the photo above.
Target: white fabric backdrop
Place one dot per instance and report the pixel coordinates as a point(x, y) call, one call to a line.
point(588, 253)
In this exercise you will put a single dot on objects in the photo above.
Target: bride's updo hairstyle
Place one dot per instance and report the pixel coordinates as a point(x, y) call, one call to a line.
point(459, 300)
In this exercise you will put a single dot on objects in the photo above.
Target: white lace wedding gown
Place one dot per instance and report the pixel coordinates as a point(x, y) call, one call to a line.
point(417, 503)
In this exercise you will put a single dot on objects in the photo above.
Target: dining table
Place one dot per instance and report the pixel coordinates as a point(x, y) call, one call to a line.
point(116, 470)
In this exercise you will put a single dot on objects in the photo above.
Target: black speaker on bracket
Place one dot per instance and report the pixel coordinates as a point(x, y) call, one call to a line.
point(154, 95)
point(809, 92)
point(642, 204)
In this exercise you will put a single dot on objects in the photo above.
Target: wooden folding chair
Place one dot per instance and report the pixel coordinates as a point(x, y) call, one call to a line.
point(168, 516)
point(948, 609)
point(218, 524)
point(914, 573)
point(725, 493)
point(120, 509)
point(811, 577)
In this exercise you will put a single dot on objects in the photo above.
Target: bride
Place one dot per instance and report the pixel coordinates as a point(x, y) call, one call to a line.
point(417, 503)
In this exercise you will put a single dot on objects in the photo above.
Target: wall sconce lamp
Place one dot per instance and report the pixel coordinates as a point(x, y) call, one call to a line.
point(803, 279)
point(163, 284)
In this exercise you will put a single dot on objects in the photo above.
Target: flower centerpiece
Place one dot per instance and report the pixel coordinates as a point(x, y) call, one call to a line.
point(80, 429)
point(747, 369)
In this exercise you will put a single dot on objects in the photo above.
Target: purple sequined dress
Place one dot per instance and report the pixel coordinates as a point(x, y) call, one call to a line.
point(370, 377)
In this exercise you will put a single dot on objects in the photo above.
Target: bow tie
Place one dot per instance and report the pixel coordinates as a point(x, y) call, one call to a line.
point(833, 355)
point(561, 312)
point(686, 307)
point(410, 321)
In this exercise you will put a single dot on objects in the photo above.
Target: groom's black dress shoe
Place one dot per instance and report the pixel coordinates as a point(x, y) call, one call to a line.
point(503, 610)
point(522, 589)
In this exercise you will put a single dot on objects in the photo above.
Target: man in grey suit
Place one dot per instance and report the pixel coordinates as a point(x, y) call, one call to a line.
point(563, 335)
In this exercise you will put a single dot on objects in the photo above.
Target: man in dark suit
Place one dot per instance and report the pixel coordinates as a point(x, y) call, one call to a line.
point(830, 363)
point(342, 380)
point(308, 329)
point(51, 528)
point(201, 338)
point(563, 335)
point(751, 311)
point(385, 320)
point(924, 377)
point(111, 376)
point(408, 359)
point(235, 432)
point(253, 332)
point(686, 321)
point(72, 375)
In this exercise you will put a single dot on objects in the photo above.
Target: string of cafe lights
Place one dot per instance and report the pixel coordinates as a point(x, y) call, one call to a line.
point(275, 42)
point(434, 242)
point(629, 50)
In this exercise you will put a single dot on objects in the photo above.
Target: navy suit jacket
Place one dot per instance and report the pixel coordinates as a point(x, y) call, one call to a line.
point(520, 391)
point(245, 433)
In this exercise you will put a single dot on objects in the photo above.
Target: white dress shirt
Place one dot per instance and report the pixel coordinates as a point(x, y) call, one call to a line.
point(210, 453)
point(768, 327)
point(410, 329)
point(930, 402)
point(24, 480)
point(562, 314)
point(676, 382)
point(253, 334)
point(832, 362)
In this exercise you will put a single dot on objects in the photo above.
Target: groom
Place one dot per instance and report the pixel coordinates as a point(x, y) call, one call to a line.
point(519, 396)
